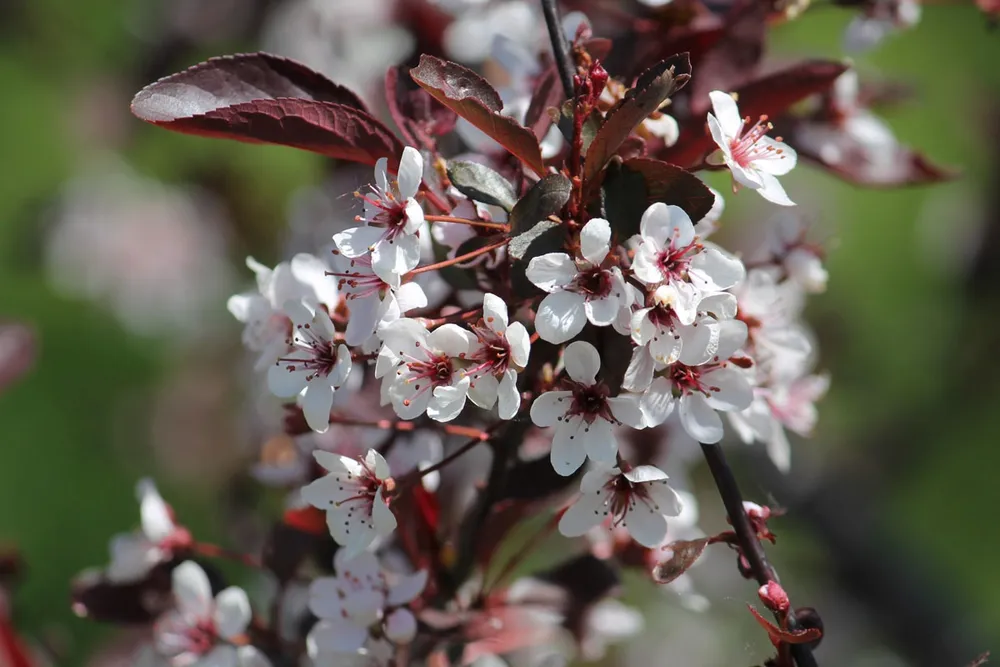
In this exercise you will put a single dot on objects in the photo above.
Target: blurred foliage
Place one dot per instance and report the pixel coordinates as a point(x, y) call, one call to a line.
point(896, 326)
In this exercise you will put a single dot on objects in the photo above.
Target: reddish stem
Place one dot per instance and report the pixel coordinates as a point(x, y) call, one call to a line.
point(406, 426)
point(461, 258)
point(215, 551)
point(465, 221)
point(433, 198)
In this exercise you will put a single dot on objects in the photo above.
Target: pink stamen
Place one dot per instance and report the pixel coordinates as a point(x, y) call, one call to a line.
point(746, 146)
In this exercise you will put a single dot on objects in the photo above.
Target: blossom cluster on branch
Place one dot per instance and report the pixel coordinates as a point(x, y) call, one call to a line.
point(529, 310)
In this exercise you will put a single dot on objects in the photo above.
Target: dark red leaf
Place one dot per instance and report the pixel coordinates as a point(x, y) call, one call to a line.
point(17, 352)
point(13, 650)
point(244, 77)
point(548, 94)
point(779, 636)
point(287, 547)
point(671, 184)
point(848, 158)
point(235, 98)
point(650, 90)
point(471, 97)
point(681, 555)
point(99, 599)
point(419, 116)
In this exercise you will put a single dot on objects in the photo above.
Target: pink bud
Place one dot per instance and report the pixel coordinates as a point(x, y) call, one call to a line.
point(774, 597)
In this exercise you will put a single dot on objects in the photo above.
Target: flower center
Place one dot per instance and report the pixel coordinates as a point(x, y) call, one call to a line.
point(593, 283)
point(686, 379)
point(493, 354)
point(746, 147)
point(388, 212)
point(357, 284)
point(200, 637)
point(673, 261)
point(591, 403)
point(434, 371)
point(321, 355)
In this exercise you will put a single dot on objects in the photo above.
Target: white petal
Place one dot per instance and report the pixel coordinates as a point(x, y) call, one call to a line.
point(699, 419)
point(316, 402)
point(598, 440)
point(640, 369)
point(338, 635)
point(411, 172)
point(157, 523)
point(509, 398)
point(400, 627)
point(645, 265)
point(357, 241)
point(732, 336)
point(450, 339)
point(658, 402)
point(393, 259)
point(721, 306)
point(549, 407)
point(776, 166)
point(730, 389)
point(779, 450)
point(667, 500)
point(645, 474)
point(365, 315)
point(625, 408)
point(568, 453)
point(325, 597)
point(582, 362)
point(448, 401)
point(655, 226)
point(483, 391)
point(646, 526)
point(700, 342)
point(602, 312)
point(232, 612)
point(284, 382)
point(375, 462)
point(595, 240)
point(407, 588)
point(714, 271)
point(414, 216)
point(250, 656)
point(409, 296)
point(772, 191)
point(338, 464)
point(561, 316)
point(220, 656)
point(520, 344)
point(382, 175)
point(551, 271)
point(364, 606)
point(588, 511)
point(726, 112)
point(495, 313)
point(191, 589)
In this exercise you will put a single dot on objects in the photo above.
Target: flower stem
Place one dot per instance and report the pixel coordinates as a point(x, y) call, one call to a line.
point(433, 198)
point(461, 258)
point(390, 425)
point(560, 47)
point(417, 475)
point(500, 226)
point(215, 551)
point(750, 546)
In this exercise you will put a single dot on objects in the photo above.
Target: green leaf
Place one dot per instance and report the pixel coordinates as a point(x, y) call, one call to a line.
point(546, 197)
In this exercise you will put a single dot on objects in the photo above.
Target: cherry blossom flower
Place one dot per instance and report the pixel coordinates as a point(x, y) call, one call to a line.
point(501, 351)
point(584, 415)
point(353, 493)
point(315, 368)
point(772, 309)
point(755, 159)
point(427, 375)
point(202, 631)
point(587, 288)
point(358, 597)
point(135, 554)
point(670, 252)
point(372, 302)
point(267, 327)
point(639, 499)
point(393, 219)
point(701, 390)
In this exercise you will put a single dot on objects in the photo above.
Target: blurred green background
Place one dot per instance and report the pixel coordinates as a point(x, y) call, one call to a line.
point(909, 433)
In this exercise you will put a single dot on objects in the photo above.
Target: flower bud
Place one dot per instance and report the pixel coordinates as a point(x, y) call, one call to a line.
point(774, 597)
point(400, 626)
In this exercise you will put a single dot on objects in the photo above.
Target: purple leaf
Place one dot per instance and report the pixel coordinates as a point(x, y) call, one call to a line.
point(682, 555)
point(234, 98)
point(651, 89)
point(471, 97)
point(548, 94)
point(419, 116)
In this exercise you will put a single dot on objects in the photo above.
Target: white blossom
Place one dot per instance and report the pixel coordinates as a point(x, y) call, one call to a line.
point(353, 496)
point(358, 597)
point(421, 370)
point(755, 159)
point(699, 391)
point(315, 368)
point(499, 354)
point(584, 415)
point(393, 218)
point(200, 631)
point(372, 302)
point(639, 499)
point(582, 289)
point(135, 554)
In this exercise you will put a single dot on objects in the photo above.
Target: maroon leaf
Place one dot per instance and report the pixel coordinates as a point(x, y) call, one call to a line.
point(682, 555)
point(419, 116)
point(548, 94)
point(849, 158)
point(212, 100)
point(471, 97)
point(246, 77)
point(17, 352)
point(674, 185)
point(650, 90)
point(779, 636)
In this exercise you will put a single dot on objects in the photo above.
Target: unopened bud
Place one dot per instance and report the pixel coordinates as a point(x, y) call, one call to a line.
point(774, 597)
point(400, 626)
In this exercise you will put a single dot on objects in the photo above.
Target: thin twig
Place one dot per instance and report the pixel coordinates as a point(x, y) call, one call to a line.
point(560, 47)
point(465, 221)
point(751, 547)
point(461, 258)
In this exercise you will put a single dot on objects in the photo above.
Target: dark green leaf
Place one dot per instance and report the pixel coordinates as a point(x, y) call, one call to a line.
point(630, 187)
point(651, 89)
point(545, 237)
point(480, 183)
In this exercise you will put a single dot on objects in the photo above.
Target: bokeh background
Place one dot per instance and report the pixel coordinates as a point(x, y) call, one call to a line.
point(119, 244)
